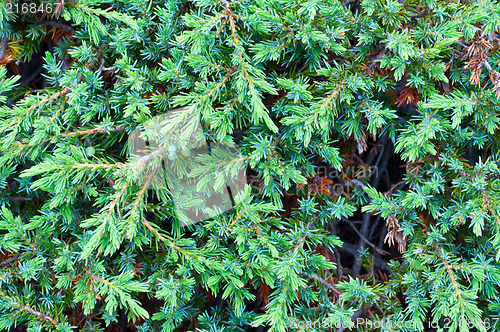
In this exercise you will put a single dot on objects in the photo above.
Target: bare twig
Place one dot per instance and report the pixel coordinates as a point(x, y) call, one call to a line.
point(17, 199)
point(374, 247)
point(375, 61)
point(487, 65)
point(421, 14)
point(365, 227)
point(390, 191)
point(143, 190)
point(73, 134)
point(10, 260)
point(364, 231)
point(38, 314)
point(91, 131)
point(95, 166)
point(377, 261)
point(359, 183)
point(23, 307)
point(3, 46)
point(322, 281)
point(449, 269)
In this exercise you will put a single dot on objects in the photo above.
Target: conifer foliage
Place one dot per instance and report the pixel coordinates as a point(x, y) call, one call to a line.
point(369, 134)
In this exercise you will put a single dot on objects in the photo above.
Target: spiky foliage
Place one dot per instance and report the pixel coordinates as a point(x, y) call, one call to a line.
point(325, 100)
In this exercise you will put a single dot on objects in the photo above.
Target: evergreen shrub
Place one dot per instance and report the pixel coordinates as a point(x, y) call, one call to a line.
point(368, 132)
